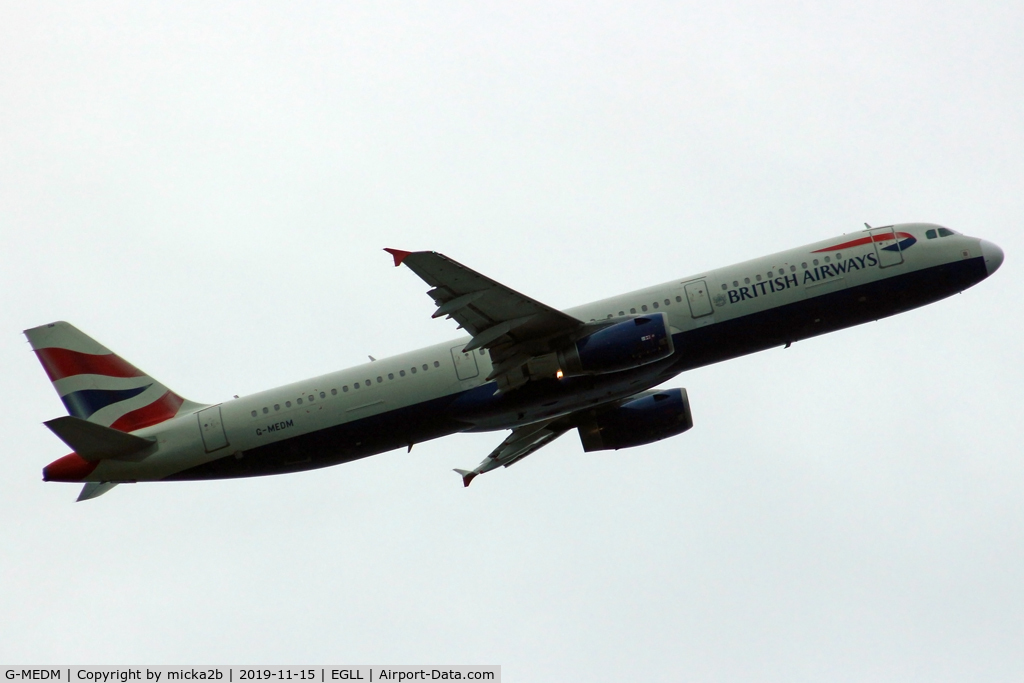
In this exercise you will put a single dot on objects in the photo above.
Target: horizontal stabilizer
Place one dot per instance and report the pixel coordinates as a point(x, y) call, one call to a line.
point(94, 489)
point(95, 442)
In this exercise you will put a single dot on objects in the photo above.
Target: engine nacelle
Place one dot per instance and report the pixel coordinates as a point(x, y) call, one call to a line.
point(653, 416)
point(622, 346)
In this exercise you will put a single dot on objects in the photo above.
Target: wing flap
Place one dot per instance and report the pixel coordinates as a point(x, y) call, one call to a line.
point(457, 303)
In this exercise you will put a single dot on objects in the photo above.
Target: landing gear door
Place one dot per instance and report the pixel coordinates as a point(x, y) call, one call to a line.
point(887, 247)
point(465, 363)
point(212, 429)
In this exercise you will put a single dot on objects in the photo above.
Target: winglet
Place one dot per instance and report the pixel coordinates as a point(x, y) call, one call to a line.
point(467, 476)
point(398, 254)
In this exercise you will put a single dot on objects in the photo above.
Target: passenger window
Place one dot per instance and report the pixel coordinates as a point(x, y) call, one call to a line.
point(735, 283)
point(298, 401)
point(391, 375)
point(401, 373)
point(287, 404)
point(483, 351)
point(746, 280)
point(758, 276)
point(413, 369)
point(827, 259)
point(792, 269)
point(254, 413)
point(655, 304)
point(334, 392)
point(266, 410)
point(667, 302)
point(379, 379)
point(839, 257)
point(424, 367)
point(277, 407)
point(679, 298)
point(804, 265)
point(323, 395)
point(356, 385)
point(644, 308)
point(943, 232)
point(632, 310)
point(815, 261)
point(311, 397)
point(345, 388)
point(367, 382)
point(437, 364)
point(724, 287)
point(621, 313)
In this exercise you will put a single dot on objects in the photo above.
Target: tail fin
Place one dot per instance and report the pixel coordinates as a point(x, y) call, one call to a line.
point(99, 386)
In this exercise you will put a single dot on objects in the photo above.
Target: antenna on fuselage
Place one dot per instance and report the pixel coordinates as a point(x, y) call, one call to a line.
point(868, 226)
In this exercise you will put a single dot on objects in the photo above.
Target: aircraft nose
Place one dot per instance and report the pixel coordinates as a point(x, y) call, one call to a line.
point(993, 256)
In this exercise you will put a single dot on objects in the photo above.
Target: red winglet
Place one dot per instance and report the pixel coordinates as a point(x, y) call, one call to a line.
point(467, 476)
point(399, 255)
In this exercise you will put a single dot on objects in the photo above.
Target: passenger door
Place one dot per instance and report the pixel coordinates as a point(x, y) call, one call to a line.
point(887, 247)
point(212, 428)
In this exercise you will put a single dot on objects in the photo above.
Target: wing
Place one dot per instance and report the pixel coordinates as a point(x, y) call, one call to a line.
point(511, 326)
point(529, 438)
point(519, 444)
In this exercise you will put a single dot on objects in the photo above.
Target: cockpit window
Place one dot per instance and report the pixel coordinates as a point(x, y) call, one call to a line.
point(944, 232)
point(930, 234)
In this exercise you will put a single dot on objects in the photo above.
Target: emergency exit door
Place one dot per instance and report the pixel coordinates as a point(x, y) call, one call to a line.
point(697, 297)
point(465, 363)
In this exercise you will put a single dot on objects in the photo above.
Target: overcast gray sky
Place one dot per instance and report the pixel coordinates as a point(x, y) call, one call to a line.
point(207, 190)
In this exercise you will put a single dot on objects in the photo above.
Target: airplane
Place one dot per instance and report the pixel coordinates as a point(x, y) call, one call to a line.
point(524, 366)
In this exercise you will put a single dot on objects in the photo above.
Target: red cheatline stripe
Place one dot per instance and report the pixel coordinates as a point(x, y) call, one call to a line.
point(864, 240)
point(61, 363)
point(160, 410)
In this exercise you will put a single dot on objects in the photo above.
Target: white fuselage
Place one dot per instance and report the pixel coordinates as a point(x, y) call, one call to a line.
point(714, 315)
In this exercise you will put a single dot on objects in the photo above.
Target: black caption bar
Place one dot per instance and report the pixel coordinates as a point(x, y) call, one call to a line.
point(247, 674)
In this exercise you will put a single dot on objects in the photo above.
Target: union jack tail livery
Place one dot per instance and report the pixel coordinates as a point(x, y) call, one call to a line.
point(99, 386)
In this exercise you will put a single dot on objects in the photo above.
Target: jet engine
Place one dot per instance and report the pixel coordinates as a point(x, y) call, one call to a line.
point(622, 346)
point(649, 417)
